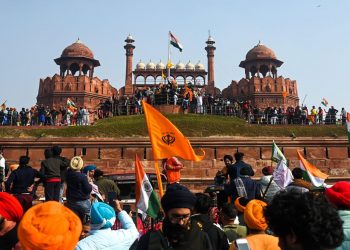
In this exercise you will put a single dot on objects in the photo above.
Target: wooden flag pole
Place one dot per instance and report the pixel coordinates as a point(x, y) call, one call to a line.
point(159, 179)
point(267, 188)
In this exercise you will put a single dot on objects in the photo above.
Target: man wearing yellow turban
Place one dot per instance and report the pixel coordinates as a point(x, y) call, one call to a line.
point(256, 223)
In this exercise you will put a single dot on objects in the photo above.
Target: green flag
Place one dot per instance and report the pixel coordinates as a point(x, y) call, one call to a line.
point(277, 154)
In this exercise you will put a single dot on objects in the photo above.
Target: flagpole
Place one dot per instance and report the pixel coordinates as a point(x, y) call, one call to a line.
point(159, 178)
point(168, 68)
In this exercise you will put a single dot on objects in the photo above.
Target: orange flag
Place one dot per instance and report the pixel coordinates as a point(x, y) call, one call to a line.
point(167, 141)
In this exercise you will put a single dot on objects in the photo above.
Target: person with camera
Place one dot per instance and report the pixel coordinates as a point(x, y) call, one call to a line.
point(102, 218)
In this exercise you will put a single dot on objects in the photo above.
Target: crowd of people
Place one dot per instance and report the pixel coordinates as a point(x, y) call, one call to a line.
point(190, 98)
point(39, 115)
point(249, 214)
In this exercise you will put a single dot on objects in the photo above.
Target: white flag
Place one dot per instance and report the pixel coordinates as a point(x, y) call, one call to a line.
point(282, 174)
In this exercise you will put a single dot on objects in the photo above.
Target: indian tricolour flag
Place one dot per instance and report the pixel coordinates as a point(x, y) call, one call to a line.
point(324, 102)
point(175, 41)
point(277, 154)
point(348, 124)
point(146, 199)
point(311, 173)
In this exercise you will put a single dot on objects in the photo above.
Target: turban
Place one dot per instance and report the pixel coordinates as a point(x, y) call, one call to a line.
point(178, 196)
point(76, 163)
point(240, 203)
point(13, 167)
point(339, 194)
point(254, 215)
point(49, 225)
point(267, 170)
point(10, 208)
point(246, 171)
point(89, 168)
point(102, 216)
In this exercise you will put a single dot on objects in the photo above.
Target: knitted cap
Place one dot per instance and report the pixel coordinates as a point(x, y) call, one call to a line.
point(178, 196)
point(339, 194)
point(102, 216)
point(76, 163)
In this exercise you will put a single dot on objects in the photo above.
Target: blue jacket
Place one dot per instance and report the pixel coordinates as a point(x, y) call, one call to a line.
point(78, 186)
point(108, 239)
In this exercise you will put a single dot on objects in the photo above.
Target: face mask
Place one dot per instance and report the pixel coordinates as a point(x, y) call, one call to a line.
point(175, 233)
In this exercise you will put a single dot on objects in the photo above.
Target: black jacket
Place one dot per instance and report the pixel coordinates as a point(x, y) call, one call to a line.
point(63, 166)
point(78, 187)
point(21, 179)
point(234, 169)
point(217, 236)
point(155, 240)
point(51, 168)
point(252, 187)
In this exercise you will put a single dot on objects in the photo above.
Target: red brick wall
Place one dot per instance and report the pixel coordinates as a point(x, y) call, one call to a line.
point(115, 156)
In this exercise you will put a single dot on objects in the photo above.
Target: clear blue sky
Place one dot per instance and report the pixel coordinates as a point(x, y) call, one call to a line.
point(311, 37)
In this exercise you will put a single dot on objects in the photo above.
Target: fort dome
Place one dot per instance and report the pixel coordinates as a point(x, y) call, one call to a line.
point(77, 49)
point(260, 52)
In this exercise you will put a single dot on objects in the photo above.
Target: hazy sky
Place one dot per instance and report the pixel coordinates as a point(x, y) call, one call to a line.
point(311, 37)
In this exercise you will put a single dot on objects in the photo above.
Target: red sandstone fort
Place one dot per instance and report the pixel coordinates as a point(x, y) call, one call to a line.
point(76, 80)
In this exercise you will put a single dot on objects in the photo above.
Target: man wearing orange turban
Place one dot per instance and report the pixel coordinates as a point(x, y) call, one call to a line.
point(49, 225)
point(256, 223)
point(10, 214)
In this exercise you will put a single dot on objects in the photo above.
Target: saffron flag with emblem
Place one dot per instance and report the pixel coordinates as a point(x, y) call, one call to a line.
point(167, 140)
point(146, 199)
point(175, 41)
point(348, 124)
point(163, 75)
point(311, 173)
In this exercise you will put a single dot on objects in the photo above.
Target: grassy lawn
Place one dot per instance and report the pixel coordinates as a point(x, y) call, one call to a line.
point(191, 125)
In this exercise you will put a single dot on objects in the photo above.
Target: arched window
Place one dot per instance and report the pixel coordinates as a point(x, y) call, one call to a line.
point(190, 80)
point(180, 80)
point(140, 80)
point(199, 81)
point(150, 80)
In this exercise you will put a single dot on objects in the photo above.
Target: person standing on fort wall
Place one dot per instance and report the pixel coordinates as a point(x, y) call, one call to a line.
point(221, 175)
point(234, 170)
point(51, 172)
point(64, 164)
point(172, 167)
